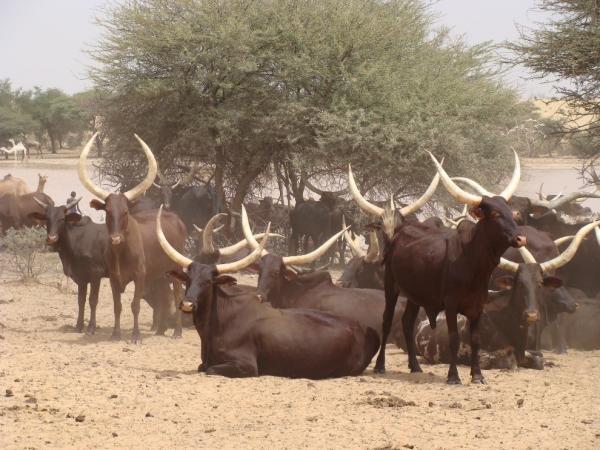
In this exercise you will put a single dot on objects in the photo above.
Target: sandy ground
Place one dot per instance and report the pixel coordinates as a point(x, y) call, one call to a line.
point(69, 390)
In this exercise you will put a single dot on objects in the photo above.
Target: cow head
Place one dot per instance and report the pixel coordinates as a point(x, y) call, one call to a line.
point(364, 270)
point(116, 205)
point(199, 278)
point(56, 218)
point(496, 217)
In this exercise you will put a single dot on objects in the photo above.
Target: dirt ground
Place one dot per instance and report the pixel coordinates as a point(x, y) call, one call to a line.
point(61, 389)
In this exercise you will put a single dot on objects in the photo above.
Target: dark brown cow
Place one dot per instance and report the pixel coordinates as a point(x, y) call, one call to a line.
point(81, 246)
point(17, 210)
point(439, 269)
point(134, 253)
point(243, 337)
point(581, 273)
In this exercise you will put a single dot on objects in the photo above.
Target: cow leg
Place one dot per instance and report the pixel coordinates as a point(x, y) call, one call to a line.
point(95, 290)
point(293, 247)
point(154, 319)
point(117, 307)
point(234, 369)
point(476, 376)
point(391, 297)
point(135, 309)
point(453, 377)
point(559, 342)
point(408, 324)
point(81, 298)
point(177, 299)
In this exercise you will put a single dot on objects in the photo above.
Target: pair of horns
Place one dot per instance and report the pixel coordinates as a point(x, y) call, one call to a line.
point(474, 200)
point(131, 194)
point(185, 262)
point(316, 190)
point(208, 243)
point(369, 256)
point(297, 260)
point(375, 210)
point(69, 205)
point(560, 260)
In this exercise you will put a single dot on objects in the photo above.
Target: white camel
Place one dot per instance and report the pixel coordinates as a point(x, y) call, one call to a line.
point(16, 149)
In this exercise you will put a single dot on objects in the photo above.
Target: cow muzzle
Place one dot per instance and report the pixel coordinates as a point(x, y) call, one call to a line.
point(519, 241)
point(186, 306)
point(51, 239)
point(531, 317)
point(116, 239)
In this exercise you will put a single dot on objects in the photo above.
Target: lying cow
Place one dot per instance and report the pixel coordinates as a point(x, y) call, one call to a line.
point(243, 337)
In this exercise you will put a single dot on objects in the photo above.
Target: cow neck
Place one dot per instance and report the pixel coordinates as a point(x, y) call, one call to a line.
point(482, 251)
point(294, 289)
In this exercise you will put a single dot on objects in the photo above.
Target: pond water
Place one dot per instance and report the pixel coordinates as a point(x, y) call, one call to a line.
point(62, 179)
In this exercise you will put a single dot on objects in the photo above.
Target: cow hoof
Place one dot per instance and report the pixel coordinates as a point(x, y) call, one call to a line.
point(478, 379)
point(416, 369)
point(453, 381)
point(116, 336)
point(177, 336)
point(380, 370)
point(136, 339)
point(79, 328)
point(91, 331)
point(202, 368)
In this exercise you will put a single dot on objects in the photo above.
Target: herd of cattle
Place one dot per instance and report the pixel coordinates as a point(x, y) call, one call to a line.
point(479, 289)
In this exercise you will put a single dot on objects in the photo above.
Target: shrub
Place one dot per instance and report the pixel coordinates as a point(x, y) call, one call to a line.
point(24, 247)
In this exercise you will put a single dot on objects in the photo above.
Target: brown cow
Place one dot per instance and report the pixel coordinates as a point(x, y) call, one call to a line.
point(243, 337)
point(133, 253)
point(439, 269)
point(17, 210)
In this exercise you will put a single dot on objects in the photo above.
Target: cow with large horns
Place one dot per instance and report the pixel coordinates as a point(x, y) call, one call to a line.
point(243, 337)
point(439, 269)
point(133, 253)
point(364, 270)
point(81, 245)
point(581, 273)
point(18, 210)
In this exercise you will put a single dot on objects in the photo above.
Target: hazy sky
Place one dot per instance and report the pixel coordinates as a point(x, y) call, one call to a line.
point(42, 42)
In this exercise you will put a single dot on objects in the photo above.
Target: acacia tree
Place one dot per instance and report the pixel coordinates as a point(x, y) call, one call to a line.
point(566, 49)
point(297, 85)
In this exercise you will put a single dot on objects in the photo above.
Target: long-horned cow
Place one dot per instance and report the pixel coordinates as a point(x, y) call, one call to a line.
point(243, 337)
point(439, 269)
point(133, 253)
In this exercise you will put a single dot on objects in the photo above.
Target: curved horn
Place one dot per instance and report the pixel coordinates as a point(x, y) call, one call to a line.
point(354, 247)
point(252, 242)
point(176, 184)
point(175, 256)
point(41, 203)
point(373, 252)
point(509, 266)
point(597, 231)
point(474, 185)
point(453, 189)
point(540, 192)
point(316, 190)
point(232, 249)
point(207, 237)
point(300, 260)
point(134, 193)
point(527, 256)
point(245, 262)
point(558, 242)
point(87, 183)
point(156, 185)
point(509, 190)
point(418, 204)
point(366, 206)
point(558, 202)
point(73, 203)
point(568, 254)
point(200, 230)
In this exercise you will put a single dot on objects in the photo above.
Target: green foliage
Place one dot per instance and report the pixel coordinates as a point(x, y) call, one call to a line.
point(24, 247)
point(566, 48)
point(14, 119)
point(298, 85)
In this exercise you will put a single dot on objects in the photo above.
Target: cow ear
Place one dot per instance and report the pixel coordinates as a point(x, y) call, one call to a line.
point(72, 218)
point(552, 282)
point(289, 274)
point(178, 275)
point(224, 279)
point(477, 213)
point(97, 204)
point(38, 216)
point(504, 282)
